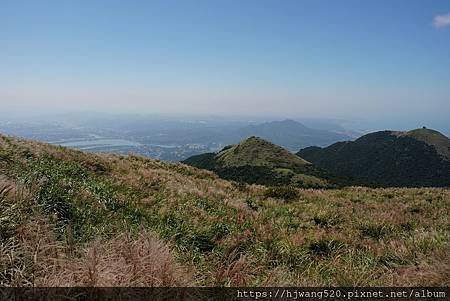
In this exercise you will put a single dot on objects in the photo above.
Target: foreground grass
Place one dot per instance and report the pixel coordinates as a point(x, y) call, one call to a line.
point(222, 233)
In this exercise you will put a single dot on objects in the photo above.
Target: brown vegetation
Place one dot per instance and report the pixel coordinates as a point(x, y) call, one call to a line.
point(133, 221)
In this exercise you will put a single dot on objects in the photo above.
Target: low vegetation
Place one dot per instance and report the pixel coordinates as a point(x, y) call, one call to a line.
point(286, 193)
point(71, 218)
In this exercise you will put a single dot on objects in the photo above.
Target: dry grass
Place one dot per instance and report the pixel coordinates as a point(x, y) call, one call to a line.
point(32, 253)
point(143, 261)
point(236, 269)
point(35, 258)
point(226, 234)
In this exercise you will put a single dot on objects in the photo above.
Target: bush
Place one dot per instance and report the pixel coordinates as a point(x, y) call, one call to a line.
point(8, 213)
point(376, 231)
point(326, 219)
point(286, 193)
point(242, 187)
point(324, 247)
point(251, 203)
point(203, 242)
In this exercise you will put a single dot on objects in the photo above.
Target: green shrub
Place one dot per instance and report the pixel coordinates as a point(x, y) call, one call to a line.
point(286, 193)
point(8, 214)
point(324, 247)
point(326, 219)
point(284, 253)
point(220, 230)
point(251, 203)
point(242, 187)
point(203, 242)
point(391, 259)
point(5, 155)
point(415, 209)
point(408, 226)
point(376, 231)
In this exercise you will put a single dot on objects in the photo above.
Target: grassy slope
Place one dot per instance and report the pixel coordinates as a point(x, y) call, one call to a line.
point(431, 137)
point(225, 234)
point(258, 152)
point(257, 161)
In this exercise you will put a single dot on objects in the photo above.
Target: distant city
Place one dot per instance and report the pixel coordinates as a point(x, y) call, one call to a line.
point(171, 139)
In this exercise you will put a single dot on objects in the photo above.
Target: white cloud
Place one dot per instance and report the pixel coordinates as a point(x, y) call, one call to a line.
point(441, 21)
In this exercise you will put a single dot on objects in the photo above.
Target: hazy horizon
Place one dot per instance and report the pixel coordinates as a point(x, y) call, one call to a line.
point(361, 125)
point(380, 64)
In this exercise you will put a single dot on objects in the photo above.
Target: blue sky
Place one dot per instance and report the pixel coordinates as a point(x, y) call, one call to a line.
point(346, 59)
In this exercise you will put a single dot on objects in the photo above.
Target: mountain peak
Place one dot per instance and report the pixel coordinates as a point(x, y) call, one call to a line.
point(258, 152)
point(255, 160)
point(253, 139)
point(431, 137)
point(284, 123)
point(420, 157)
point(421, 132)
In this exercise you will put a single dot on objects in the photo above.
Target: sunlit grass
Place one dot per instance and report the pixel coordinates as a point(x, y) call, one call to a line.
point(225, 233)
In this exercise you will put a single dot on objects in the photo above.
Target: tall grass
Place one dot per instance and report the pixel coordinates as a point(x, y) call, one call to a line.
point(137, 222)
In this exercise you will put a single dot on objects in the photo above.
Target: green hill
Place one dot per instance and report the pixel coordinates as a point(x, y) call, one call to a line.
point(69, 218)
point(431, 137)
point(417, 158)
point(257, 161)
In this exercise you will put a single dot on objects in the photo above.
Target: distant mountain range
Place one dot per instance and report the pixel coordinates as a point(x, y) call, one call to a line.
point(415, 158)
point(175, 139)
point(172, 139)
point(291, 134)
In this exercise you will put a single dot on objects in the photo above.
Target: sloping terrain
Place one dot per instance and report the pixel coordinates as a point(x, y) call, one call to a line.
point(255, 160)
point(418, 158)
point(431, 137)
point(72, 218)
